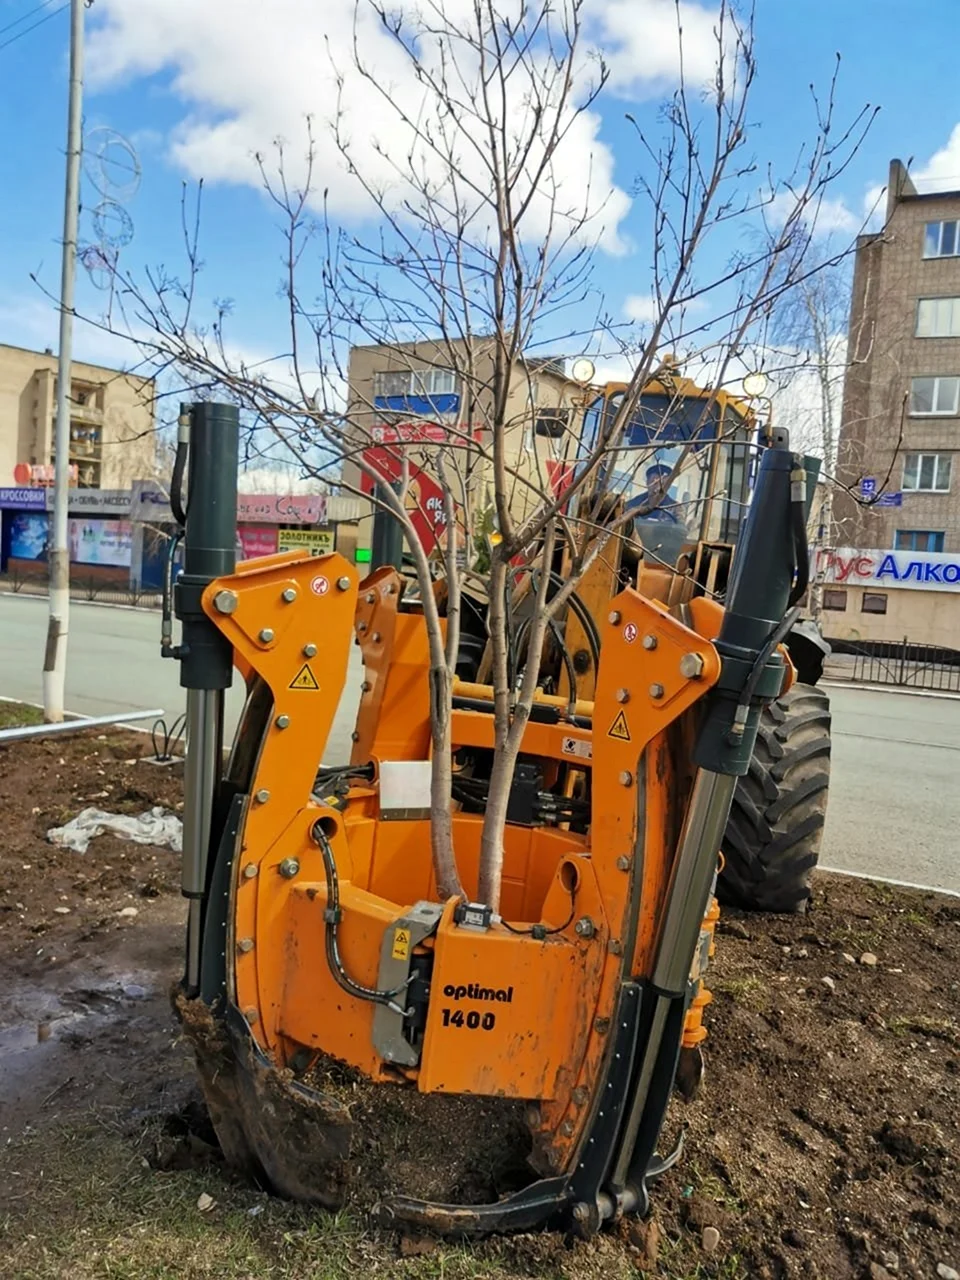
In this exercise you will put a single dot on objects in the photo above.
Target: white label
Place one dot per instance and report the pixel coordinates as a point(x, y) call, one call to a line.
point(576, 747)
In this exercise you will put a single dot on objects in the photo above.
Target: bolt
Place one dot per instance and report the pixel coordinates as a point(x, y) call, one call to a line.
point(266, 635)
point(391, 589)
point(567, 1128)
point(245, 945)
point(585, 928)
point(626, 778)
point(365, 686)
point(361, 627)
point(579, 1096)
point(601, 1026)
point(691, 666)
point(623, 695)
point(251, 1016)
point(371, 597)
point(309, 650)
point(250, 870)
point(375, 637)
point(649, 642)
point(262, 796)
point(615, 947)
point(282, 722)
point(531, 1114)
point(225, 601)
point(288, 868)
point(656, 691)
point(623, 862)
point(613, 616)
point(288, 595)
point(343, 583)
point(354, 737)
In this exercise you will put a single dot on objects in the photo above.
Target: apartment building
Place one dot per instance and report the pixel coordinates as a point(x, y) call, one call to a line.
point(111, 422)
point(894, 571)
point(404, 393)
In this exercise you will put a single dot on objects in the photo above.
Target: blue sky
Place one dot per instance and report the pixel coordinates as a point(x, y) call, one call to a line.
point(195, 94)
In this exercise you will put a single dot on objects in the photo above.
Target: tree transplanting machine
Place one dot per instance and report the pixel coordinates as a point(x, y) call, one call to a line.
point(314, 923)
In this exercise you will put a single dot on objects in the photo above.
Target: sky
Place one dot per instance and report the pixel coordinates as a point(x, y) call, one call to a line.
point(198, 88)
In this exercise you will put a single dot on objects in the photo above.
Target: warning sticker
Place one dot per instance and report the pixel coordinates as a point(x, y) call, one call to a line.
point(575, 747)
point(401, 944)
point(619, 729)
point(630, 632)
point(320, 585)
point(304, 679)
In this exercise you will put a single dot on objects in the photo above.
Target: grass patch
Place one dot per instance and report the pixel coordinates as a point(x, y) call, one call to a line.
point(922, 1025)
point(83, 1204)
point(18, 715)
point(747, 989)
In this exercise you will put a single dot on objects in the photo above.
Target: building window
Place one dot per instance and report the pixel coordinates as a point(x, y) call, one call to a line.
point(415, 382)
point(918, 540)
point(835, 599)
point(940, 240)
point(938, 318)
point(927, 472)
point(873, 602)
point(932, 397)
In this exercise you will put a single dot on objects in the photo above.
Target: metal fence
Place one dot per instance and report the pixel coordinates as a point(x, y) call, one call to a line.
point(83, 588)
point(909, 666)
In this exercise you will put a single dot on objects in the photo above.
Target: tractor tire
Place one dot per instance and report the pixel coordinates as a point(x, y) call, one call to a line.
point(772, 841)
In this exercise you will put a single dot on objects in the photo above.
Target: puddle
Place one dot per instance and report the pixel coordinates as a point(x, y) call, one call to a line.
point(44, 1024)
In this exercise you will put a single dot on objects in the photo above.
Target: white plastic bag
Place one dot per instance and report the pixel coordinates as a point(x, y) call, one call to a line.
point(158, 826)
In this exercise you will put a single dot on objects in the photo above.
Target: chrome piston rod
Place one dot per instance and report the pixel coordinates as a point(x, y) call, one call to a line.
point(204, 723)
point(691, 878)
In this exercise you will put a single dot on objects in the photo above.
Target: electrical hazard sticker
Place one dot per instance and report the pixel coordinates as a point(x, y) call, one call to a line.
point(576, 747)
point(619, 729)
point(304, 679)
point(401, 944)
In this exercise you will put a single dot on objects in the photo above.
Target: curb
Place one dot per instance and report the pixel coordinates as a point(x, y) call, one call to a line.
point(899, 884)
point(86, 604)
point(889, 688)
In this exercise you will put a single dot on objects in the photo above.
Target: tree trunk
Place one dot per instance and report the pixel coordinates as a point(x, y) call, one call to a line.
point(441, 820)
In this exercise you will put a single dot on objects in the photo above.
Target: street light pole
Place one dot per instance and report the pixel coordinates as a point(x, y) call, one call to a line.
point(55, 656)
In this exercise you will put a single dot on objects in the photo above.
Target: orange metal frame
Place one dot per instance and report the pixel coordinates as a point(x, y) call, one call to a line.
point(543, 1033)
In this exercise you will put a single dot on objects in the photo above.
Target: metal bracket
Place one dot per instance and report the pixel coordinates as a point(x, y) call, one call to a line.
point(396, 953)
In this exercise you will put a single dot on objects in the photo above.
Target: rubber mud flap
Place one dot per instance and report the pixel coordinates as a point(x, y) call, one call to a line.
point(266, 1122)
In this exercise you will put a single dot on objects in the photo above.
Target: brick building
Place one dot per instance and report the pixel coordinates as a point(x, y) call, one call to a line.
point(895, 568)
point(398, 391)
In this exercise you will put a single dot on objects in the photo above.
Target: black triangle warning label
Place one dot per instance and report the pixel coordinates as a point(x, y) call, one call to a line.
point(304, 679)
point(619, 729)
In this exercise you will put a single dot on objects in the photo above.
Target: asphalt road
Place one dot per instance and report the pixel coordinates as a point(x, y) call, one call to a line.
point(894, 798)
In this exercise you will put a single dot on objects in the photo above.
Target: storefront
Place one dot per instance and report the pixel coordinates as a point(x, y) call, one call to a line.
point(99, 534)
point(872, 596)
point(266, 523)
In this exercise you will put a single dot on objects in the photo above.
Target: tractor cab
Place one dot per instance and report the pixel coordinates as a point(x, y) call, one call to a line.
point(682, 472)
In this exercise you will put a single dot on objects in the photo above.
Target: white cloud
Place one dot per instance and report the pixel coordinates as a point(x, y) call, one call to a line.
point(641, 42)
point(825, 217)
point(248, 73)
point(641, 308)
point(942, 170)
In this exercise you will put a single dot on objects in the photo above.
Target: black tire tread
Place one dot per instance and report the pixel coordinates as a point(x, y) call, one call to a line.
point(772, 841)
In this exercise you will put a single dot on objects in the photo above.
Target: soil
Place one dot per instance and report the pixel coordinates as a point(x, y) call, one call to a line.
point(824, 1142)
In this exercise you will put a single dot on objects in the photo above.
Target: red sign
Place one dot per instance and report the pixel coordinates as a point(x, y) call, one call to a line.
point(257, 540)
point(282, 508)
point(424, 499)
point(423, 433)
point(25, 473)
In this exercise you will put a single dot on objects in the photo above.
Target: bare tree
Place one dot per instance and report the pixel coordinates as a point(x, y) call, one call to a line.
point(810, 331)
point(481, 258)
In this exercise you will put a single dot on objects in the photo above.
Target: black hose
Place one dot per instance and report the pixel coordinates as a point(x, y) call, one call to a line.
point(777, 636)
point(801, 551)
point(176, 484)
point(331, 915)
